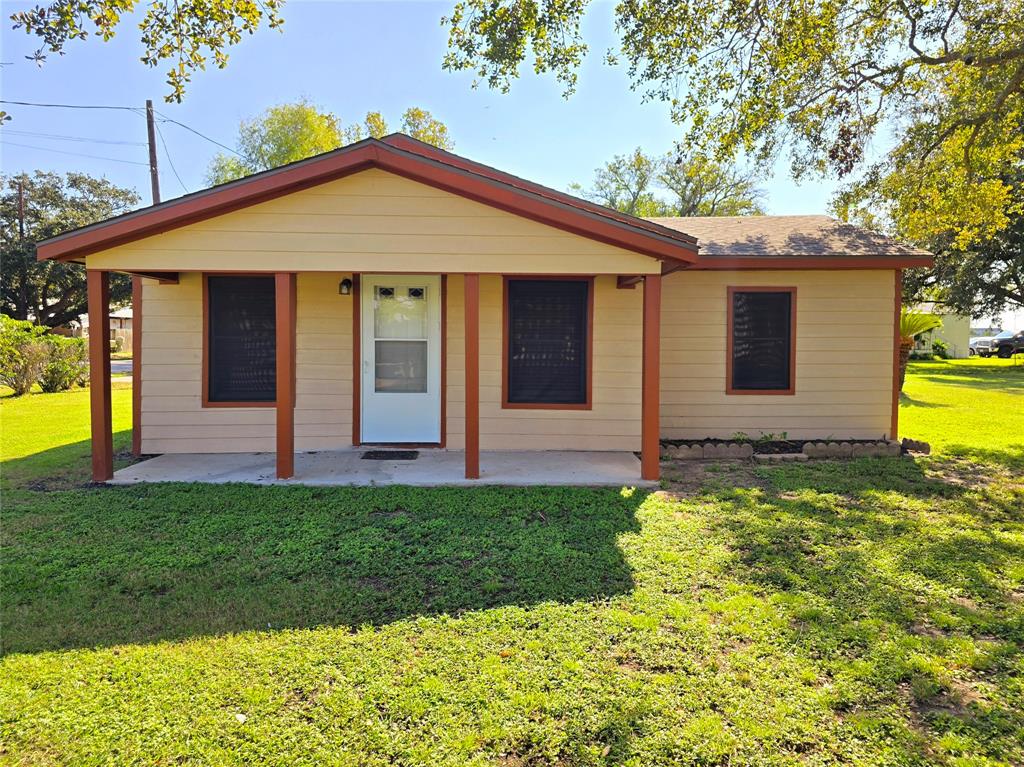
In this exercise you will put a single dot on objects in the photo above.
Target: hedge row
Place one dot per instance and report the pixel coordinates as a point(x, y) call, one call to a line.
point(31, 355)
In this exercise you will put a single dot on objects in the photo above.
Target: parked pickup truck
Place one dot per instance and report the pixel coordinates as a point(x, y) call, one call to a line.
point(1007, 347)
point(985, 346)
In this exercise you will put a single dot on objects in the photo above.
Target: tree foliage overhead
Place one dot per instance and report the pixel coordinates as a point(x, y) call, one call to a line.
point(818, 77)
point(182, 33)
point(642, 185)
point(981, 279)
point(291, 132)
point(52, 293)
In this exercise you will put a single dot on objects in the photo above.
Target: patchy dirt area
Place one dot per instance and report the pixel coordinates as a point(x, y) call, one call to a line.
point(688, 478)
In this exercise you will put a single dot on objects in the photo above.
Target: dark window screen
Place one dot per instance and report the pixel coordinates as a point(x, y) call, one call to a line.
point(761, 340)
point(547, 341)
point(242, 340)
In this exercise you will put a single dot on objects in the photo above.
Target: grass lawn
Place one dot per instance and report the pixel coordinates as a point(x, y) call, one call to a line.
point(865, 613)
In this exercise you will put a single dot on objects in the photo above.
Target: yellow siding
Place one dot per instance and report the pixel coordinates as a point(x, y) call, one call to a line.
point(843, 357)
point(373, 221)
point(614, 421)
point(173, 418)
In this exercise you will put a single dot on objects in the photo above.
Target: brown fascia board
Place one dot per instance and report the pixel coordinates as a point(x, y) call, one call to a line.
point(596, 225)
point(837, 262)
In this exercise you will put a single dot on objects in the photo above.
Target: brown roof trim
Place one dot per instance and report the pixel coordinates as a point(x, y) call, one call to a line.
point(561, 211)
point(745, 263)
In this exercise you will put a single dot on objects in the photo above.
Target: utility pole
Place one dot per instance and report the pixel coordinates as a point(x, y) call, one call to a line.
point(154, 177)
point(21, 210)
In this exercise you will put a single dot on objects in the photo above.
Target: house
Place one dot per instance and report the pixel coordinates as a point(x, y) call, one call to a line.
point(120, 328)
point(392, 293)
point(955, 332)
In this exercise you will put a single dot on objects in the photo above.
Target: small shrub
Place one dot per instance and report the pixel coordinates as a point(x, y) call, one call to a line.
point(940, 349)
point(23, 354)
point(67, 364)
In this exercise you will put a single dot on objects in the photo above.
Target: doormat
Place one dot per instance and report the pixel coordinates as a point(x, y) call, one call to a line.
point(390, 455)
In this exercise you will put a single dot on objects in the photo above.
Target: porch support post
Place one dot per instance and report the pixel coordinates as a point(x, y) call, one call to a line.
point(136, 365)
point(98, 289)
point(894, 422)
point(284, 299)
point(472, 327)
point(651, 379)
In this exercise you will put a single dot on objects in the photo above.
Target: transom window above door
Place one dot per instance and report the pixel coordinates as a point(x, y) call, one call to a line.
point(548, 341)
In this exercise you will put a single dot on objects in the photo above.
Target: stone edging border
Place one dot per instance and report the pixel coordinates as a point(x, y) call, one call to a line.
point(811, 449)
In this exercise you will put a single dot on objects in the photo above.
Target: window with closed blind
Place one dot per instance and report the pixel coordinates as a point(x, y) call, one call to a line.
point(547, 343)
point(241, 343)
point(762, 334)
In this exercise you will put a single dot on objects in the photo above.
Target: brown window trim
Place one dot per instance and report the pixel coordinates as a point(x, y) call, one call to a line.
point(732, 289)
point(206, 342)
point(589, 403)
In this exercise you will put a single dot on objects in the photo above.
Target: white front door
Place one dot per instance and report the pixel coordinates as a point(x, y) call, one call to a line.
point(401, 349)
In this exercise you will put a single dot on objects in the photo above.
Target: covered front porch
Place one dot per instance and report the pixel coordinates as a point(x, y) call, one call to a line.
point(496, 440)
point(431, 467)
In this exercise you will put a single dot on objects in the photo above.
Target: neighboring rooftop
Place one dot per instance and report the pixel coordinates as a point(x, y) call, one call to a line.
point(746, 236)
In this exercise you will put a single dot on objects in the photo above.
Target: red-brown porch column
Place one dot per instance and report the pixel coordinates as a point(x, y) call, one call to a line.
point(136, 365)
point(472, 327)
point(894, 423)
point(651, 379)
point(284, 299)
point(98, 289)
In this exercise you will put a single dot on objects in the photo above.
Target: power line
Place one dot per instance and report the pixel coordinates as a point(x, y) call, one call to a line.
point(186, 127)
point(75, 154)
point(65, 106)
point(136, 110)
point(62, 137)
point(167, 152)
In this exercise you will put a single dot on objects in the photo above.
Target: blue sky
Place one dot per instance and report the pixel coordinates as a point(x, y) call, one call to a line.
point(349, 58)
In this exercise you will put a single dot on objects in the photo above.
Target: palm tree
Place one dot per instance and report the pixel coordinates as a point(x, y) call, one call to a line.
point(913, 324)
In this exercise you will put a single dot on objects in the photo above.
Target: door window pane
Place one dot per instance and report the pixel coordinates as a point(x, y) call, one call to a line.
point(401, 366)
point(400, 312)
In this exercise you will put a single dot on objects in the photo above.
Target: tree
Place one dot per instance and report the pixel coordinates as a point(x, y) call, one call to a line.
point(290, 132)
point(52, 293)
point(982, 279)
point(817, 79)
point(671, 186)
point(702, 187)
point(185, 33)
point(624, 183)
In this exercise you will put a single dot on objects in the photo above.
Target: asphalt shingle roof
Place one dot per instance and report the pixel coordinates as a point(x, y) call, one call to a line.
point(785, 236)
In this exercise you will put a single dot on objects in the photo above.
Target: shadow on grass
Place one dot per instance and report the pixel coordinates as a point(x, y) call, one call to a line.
point(162, 562)
point(63, 467)
point(906, 399)
point(993, 376)
point(888, 574)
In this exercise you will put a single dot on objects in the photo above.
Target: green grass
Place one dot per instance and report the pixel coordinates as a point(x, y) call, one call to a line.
point(966, 407)
point(867, 613)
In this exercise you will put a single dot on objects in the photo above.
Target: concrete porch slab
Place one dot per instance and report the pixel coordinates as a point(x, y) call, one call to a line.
point(433, 468)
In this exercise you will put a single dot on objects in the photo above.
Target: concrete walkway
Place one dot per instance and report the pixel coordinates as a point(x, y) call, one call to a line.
point(433, 467)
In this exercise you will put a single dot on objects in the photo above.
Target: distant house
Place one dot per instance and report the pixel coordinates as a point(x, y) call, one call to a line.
point(392, 293)
point(120, 328)
point(955, 332)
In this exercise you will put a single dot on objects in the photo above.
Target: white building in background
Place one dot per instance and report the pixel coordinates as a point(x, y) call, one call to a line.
point(955, 331)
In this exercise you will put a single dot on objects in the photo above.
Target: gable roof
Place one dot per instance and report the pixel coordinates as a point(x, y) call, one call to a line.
point(403, 156)
point(749, 241)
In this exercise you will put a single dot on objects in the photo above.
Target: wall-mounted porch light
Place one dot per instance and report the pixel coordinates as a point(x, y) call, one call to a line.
point(345, 287)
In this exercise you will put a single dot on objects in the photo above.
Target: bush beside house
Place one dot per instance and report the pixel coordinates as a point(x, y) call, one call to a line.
point(30, 354)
